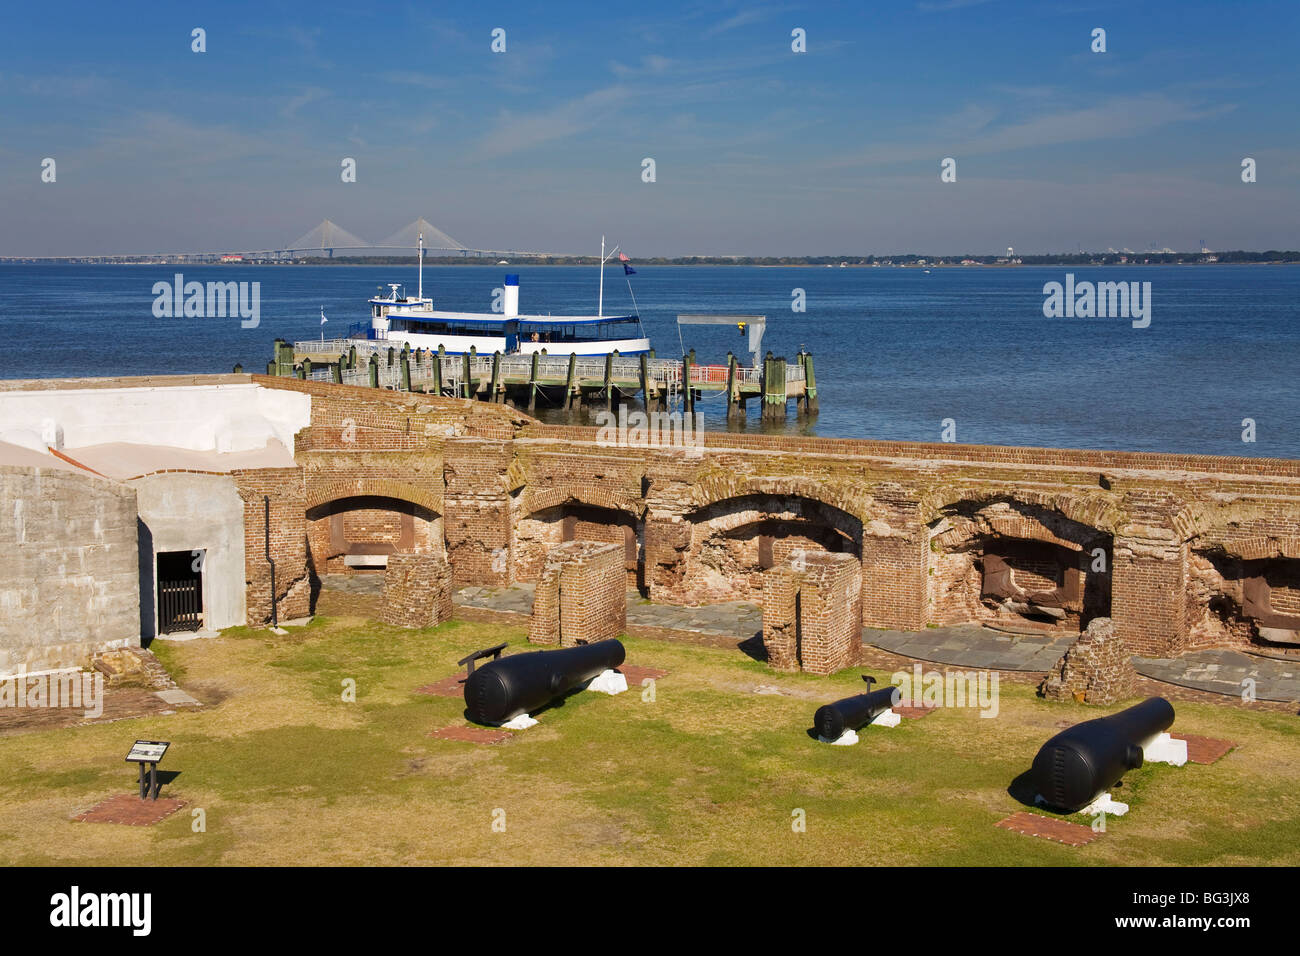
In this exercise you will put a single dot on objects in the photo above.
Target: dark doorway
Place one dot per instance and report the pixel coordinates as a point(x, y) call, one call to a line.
point(180, 591)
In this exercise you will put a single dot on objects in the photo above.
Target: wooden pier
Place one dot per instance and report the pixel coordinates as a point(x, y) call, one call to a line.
point(570, 382)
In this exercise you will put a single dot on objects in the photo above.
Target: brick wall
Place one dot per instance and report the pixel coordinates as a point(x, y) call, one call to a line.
point(581, 596)
point(1096, 669)
point(1156, 515)
point(417, 590)
point(288, 543)
point(812, 613)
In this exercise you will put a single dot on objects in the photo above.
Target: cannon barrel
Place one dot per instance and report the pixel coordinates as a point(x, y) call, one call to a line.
point(1079, 763)
point(832, 720)
point(521, 684)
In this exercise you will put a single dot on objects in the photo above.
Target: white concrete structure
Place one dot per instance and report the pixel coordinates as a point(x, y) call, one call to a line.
point(201, 514)
point(222, 417)
point(106, 480)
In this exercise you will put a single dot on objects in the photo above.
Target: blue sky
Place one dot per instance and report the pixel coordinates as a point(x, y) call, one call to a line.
point(758, 150)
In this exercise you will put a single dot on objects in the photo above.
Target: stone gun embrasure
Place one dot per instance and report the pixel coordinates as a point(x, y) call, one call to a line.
point(509, 686)
point(832, 720)
point(1079, 763)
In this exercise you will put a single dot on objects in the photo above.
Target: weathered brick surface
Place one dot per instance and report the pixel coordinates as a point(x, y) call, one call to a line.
point(288, 543)
point(1177, 534)
point(811, 615)
point(1097, 668)
point(581, 597)
point(417, 590)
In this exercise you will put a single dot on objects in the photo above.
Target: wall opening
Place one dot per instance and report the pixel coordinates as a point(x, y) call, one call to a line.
point(1016, 564)
point(1241, 602)
point(356, 535)
point(180, 591)
point(734, 541)
point(542, 530)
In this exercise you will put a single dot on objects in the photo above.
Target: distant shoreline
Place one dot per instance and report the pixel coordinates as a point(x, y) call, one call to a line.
point(1270, 257)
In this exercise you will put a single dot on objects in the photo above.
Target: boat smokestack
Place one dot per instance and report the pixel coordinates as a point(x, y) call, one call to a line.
point(510, 301)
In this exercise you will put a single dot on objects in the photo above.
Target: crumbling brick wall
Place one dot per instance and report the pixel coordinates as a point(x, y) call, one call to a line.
point(288, 543)
point(1097, 668)
point(581, 596)
point(811, 613)
point(1157, 512)
point(417, 590)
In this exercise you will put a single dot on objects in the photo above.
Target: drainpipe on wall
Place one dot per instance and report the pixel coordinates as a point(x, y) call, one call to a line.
point(266, 525)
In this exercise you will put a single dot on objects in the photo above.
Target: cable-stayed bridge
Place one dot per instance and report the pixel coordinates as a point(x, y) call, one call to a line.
point(325, 240)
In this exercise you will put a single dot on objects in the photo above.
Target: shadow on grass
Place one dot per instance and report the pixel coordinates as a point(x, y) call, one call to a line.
point(753, 647)
point(1023, 791)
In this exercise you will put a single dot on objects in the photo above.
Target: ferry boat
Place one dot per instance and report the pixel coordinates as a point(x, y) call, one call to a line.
point(396, 318)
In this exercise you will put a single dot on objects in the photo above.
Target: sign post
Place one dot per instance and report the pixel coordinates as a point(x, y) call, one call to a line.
point(148, 752)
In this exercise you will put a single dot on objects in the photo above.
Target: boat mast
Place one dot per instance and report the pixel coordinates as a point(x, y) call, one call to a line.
point(600, 305)
point(420, 253)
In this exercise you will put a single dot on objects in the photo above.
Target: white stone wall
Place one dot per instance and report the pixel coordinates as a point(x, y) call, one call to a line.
point(69, 568)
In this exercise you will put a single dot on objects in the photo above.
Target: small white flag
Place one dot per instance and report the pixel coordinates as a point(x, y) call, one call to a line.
point(323, 320)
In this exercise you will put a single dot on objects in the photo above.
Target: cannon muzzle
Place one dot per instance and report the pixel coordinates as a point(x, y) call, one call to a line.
point(510, 686)
point(832, 720)
point(1079, 763)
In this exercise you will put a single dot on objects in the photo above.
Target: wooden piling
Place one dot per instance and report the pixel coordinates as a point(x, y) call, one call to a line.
point(809, 386)
point(774, 389)
point(532, 383)
point(570, 382)
point(650, 402)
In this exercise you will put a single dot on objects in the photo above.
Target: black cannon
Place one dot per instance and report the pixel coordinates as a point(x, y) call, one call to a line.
point(1079, 763)
point(831, 720)
point(509, 686)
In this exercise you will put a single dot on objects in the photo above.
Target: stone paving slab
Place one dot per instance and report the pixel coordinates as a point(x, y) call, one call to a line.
point(733, 618)
point(472, 735)
point(634, 675)
point(129, 809)
point(452, 686)
point(1061, 831)
point(914, 713)
point(1204, 749)
point(369, 583)
point(975, 647)
point(1223, 671)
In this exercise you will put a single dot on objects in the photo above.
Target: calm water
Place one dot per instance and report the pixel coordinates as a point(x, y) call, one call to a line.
point(897, 351)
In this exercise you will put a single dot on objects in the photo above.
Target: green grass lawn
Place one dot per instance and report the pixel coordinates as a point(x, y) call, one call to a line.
point(709, 771)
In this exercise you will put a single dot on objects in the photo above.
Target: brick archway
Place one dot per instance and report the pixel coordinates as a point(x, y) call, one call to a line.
point(1020, 560)
point(323, 488)
point(731, 541)
point(564, 518)
point(356, 533)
